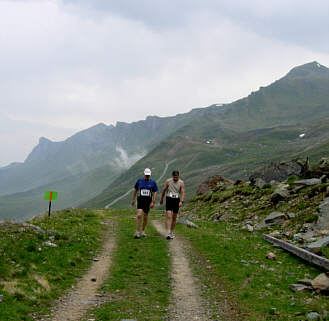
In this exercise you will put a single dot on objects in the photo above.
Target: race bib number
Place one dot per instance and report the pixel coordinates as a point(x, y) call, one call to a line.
point(145, 192)
point(173, 195)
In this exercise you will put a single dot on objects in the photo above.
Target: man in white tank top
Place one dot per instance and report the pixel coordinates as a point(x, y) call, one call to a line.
point(175, 193)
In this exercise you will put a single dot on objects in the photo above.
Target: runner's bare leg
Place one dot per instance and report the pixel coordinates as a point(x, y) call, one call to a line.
point(169, 221)
point(173, 222)
point(138, 220)
point(145, 220)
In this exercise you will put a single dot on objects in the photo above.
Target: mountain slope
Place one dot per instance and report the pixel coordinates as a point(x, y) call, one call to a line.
point(72, 167)
point(236, 139)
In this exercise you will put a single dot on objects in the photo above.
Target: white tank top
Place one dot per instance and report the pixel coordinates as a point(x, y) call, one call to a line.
point(174, 188)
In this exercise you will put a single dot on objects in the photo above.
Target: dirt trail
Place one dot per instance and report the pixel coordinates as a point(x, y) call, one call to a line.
point(85, 295)
point(187, 303)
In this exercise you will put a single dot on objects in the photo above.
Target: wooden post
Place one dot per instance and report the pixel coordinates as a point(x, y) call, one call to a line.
point(308, 256)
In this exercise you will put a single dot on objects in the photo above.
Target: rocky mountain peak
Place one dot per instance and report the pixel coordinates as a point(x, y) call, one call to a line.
point(44, 141)
point(308, 70)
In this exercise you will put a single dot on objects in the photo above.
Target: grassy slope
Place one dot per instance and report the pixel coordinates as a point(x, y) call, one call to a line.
point(32, 275)
point(258, 287)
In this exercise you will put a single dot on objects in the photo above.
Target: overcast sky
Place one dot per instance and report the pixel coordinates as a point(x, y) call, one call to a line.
point(66, 65)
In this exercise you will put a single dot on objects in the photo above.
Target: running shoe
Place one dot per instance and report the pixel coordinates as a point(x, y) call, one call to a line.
point(137, 235)
point(144, 234)
point(172, 236)
point(168, 237)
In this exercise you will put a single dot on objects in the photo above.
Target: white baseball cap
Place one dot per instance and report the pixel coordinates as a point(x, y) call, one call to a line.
point(147, 172)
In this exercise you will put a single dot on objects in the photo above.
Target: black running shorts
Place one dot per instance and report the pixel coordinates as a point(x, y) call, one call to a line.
point(172, 204)
point(143, 203)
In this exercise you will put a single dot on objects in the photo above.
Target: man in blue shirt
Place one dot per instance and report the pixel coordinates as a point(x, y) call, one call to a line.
point(146, 190)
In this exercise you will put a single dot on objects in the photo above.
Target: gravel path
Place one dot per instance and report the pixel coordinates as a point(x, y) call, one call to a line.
point(187, 303)
point(84, 295)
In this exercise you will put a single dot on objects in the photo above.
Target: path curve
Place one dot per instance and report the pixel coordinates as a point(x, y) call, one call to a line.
point(130, 191)
point(187, 303)
point(75, 304)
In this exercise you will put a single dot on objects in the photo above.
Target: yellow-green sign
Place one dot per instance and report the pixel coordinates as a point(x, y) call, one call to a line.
point(51, 195)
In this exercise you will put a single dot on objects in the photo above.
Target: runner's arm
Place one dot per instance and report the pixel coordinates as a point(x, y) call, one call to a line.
point(133, 197)
point(182, 194)
point(164, 192)
point(154, 199)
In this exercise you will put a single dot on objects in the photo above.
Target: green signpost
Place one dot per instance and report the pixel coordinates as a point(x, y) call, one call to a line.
point(50, 196)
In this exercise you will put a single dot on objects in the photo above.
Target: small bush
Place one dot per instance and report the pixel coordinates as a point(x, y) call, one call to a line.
point(292, 179)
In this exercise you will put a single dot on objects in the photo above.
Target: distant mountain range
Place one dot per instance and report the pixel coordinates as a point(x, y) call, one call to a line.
point(288, 119)
point(231, 139)
point(81, 166)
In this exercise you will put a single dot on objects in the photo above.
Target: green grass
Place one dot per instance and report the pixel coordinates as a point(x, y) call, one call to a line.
point(33, 275)
point(139, 285)
point(259, 287)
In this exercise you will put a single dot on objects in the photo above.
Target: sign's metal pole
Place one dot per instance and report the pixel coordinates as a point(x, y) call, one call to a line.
point(49, 208)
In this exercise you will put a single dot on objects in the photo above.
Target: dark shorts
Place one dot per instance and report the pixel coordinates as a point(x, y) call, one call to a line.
point(143, 203)
point(172, 204)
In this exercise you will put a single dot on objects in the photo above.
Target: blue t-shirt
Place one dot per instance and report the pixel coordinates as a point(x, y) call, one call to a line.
point(146, 188)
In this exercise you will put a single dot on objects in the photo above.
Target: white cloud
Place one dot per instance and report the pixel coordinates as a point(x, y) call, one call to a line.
point(67, 66)
point(123, 161)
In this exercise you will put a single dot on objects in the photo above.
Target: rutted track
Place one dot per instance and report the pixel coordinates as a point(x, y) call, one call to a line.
point(187, 303)
point(73, 305)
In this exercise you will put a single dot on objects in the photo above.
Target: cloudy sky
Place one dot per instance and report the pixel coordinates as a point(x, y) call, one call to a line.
point(66, 65)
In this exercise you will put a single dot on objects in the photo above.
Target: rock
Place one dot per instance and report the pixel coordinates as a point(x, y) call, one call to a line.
point(324, 179)
point(281, 193)
point(259, 182)
point(49, 244)
point(187, 222)
point(298, 238)
point(307, 227)
point(321, 282)
point(216, 216)
point(323, 232)
point(323, 220)
point(95, 260)
point(313, 316)
point(315, 247)
point(212, 183)
point(300, 288)
point(305, 237)
point(291, 215)
point(307, 282)
point(274, 218)
point(281, 171)
point(34, 228)
point(271, 256)
point(308, 182)
point(238, 182)
point(321, 169)
point(249, 227)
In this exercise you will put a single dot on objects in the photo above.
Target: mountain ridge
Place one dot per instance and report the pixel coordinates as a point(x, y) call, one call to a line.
point(210, 139)
point(247, 133)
